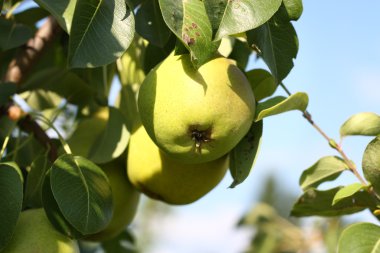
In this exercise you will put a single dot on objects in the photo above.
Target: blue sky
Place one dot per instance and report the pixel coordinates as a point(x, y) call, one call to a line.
point(338, 65)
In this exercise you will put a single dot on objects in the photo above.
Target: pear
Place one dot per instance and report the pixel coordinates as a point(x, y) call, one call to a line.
point(196, 115)
point(163, 178)
point(125, 199)
point(34, 233)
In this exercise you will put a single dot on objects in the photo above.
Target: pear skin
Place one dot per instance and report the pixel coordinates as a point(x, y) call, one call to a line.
point(164, 178)
point(34, 233)
point(195, 115)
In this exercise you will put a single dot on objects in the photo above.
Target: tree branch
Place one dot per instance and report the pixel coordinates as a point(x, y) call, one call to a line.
point(24, 61)
point(17, 70)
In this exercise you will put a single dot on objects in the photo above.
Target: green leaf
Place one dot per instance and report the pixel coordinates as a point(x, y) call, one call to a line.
point(82, 192)
point(123, 243)
point(26, 148)
point(365, 123)
point(326, 169)
point(240, 53)
point(63, 82)
point(63, 11)
point(154, 55)
point(34, 181)
point(243, 15)
point(277, 44)
point(99, 79)
point(131, 65)
point(279, 104)
point(371, 163)
point(189, 22)
point(361, 237)
point(319, 203)
point(294, 8)
point(128, 107)
point(41, 100)
point(6, 91)
point(101, 32)
point(243, 156)
point(347, 191)
point(13, 35)
point(31, 16)
point(113, 140)
point(11, 192)
point(87, 132)
point(150, 23)
point(262, 82)
point(53, 212)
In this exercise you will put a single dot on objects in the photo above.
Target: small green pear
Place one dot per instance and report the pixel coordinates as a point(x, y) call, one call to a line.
point(125, 199)
point(196, 115)
point(161, 177)
point(35, 234)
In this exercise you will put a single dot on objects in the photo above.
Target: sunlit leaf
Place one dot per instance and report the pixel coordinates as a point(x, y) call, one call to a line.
point(131, 65)
point(243, 15)
point(13, 35)
point(279, 104)
point(82, 192)
point(243, 156)
point(101, 32)
point(347, 191)
point(361, 237)
point(113, 140)
point(188, 20)
point(319, 203)
point(294, 8)
point(365, 123)
point(326, 169)
point(371, 163)
point(11, 192)
point(63, 11)
point(262, 82)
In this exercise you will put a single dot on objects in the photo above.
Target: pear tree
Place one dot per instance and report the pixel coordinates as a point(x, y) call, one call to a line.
point(103, 101)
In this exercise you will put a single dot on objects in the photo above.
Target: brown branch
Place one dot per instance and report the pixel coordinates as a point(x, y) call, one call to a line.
point(34, 48)
point(30, 126)
point(17, 70)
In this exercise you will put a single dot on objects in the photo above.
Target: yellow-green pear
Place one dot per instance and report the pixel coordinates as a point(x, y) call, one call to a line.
point(125, 200)
point(35, 234)
point(196, 115)
point(161, 177)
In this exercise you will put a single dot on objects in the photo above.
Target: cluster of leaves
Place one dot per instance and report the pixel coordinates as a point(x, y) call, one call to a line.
point(348, 199)
point(72, 81)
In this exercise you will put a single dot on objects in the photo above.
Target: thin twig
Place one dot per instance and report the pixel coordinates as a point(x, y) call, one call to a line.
point(332, 142)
